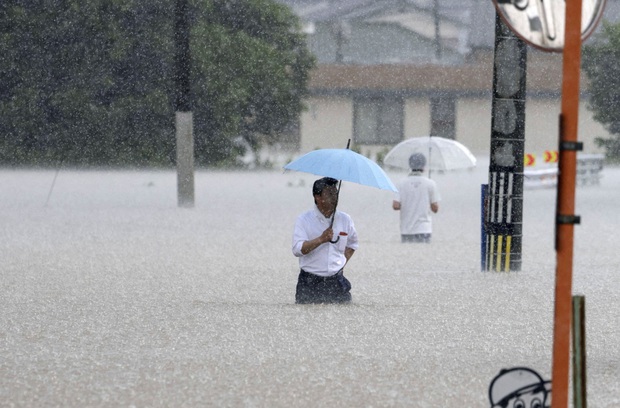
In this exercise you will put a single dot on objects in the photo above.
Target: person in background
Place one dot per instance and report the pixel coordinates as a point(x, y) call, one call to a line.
point(323, 249)
point(417, 198)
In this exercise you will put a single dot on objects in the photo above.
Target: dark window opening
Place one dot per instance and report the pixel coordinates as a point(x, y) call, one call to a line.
point(443, 117)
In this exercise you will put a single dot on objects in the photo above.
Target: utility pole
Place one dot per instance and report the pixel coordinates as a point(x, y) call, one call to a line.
point(183, 108)
point(437, 30)
point(503, 218)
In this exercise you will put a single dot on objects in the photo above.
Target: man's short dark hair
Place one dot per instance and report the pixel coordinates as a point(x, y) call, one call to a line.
point(417, 161)
point(319, 185)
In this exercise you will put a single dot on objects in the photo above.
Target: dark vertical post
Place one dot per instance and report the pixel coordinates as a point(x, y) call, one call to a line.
point(483, 236)
point(339, 41)
point(504, 215)
point(183, 119)
point(437, 30)
point(579, 352)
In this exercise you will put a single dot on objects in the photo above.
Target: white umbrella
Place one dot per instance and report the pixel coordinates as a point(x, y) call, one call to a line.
point(440, 153)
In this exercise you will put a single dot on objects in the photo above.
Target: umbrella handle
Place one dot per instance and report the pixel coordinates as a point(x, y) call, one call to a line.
point(429, 157)
point(335, 206)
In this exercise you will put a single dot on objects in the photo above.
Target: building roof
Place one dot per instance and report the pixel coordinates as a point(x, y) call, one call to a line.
point(544, 77)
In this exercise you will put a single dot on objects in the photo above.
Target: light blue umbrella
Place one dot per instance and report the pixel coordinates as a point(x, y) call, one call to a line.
point(343, 164)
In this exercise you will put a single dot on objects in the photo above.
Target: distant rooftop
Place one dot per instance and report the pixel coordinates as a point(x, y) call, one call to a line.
point(544, 77)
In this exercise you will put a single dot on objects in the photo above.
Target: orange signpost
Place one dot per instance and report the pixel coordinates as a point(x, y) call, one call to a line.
point(565, 218)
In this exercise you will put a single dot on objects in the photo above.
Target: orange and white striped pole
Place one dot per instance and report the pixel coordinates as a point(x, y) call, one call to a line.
point(565, 218)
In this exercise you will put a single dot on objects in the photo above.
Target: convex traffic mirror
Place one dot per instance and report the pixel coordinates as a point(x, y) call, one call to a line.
point(541, 22)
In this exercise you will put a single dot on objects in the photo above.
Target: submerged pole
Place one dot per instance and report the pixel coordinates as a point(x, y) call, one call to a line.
point(579, 352)
point(504, 213)
point(183, 117)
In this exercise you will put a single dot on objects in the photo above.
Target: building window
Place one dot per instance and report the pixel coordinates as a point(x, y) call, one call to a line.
point(443, 116)
point(378, 121)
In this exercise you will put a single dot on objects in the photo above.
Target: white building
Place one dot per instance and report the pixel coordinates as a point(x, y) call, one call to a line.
point(390, 70)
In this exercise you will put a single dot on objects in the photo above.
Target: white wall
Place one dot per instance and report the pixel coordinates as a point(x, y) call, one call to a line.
point(328, 123)
point(473, 124)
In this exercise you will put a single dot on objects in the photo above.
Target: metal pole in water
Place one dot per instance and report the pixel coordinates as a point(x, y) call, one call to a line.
point(483, 235)
point(504, 220)
point(184, 118)
point(579, 352)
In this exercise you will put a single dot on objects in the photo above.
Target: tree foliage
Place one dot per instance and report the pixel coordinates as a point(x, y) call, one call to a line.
point(601, 63)
point(92, 81)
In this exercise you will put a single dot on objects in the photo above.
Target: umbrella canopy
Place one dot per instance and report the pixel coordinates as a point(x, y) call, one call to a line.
point(343, 164)
point(440, 153)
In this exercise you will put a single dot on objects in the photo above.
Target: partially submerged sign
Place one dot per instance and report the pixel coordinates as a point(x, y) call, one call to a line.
point(519, 387)
point(541, 23)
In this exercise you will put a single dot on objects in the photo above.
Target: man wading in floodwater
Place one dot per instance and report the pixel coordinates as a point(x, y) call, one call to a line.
point(321, 256)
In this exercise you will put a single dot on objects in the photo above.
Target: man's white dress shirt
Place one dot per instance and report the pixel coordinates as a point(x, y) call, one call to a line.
point(327, 259)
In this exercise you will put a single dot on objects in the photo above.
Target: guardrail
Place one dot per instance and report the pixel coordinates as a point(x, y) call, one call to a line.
point(589, 169)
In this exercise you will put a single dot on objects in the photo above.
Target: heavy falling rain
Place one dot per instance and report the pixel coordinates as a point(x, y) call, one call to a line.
point(117, 291)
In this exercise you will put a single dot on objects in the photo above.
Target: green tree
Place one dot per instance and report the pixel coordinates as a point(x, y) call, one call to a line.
point(601, 63)
point(84, 83)
point(250, 72)
point(91, 81)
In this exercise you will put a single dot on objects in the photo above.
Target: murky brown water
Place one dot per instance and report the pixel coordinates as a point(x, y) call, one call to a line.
point(112, 296)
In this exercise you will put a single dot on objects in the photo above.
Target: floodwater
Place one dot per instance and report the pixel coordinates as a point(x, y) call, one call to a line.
point(111, 295)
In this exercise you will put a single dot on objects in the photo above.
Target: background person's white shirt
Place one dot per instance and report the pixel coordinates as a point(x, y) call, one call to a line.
point(415, 194)
point(327, 259)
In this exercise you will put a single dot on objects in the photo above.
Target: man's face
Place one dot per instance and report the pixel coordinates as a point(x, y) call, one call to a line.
point(328, 197)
